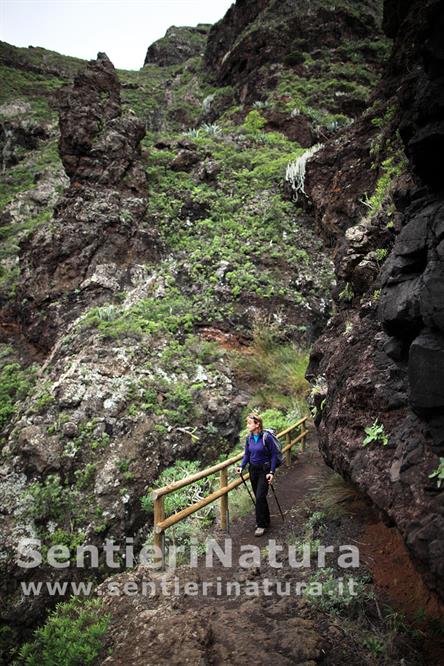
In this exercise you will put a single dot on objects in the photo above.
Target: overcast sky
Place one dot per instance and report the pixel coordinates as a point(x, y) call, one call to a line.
point(123, 29)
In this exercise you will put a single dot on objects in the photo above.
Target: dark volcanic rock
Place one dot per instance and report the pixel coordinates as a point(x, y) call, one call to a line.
point(341, 166)
point(179, 44)
point(422, 95)
point(426, 376)
point(185, 160)
point(98, 144)
point(296, 129)
point(19, 134)
point(385, 360)
point(257, 32)
point(395, 12)
point(83, 256)
point(399, 308)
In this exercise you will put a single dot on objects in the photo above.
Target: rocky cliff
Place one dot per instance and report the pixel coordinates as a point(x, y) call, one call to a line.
point(247, 46)
point(78, 448)
point(380, 363)
point(96, 234)
point(178, 45)
point(150, 229)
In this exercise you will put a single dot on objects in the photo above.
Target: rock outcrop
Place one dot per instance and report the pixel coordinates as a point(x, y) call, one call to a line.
point(245, 47)
point(382, 355)
point(83, 255)
point(179, 44)
point(16, 134)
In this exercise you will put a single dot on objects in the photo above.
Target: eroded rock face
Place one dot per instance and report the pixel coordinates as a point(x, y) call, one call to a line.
point(422, 96)
point(382, 356)
point(254, 33)
point(98, 144)
point(16, 134)
point(82, 256)
point(79, 440)
point(343, 166)
point(417, 261)
point(179, 44)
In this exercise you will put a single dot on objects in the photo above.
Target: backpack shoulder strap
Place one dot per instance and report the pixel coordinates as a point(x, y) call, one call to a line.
point(266, 440)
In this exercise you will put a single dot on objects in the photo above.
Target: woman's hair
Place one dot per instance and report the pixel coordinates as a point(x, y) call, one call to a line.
point(257, 419)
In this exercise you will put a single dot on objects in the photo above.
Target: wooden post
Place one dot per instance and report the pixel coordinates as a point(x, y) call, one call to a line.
point(161, 524)
point(159, 515)
point(288, 451)
point(224, 498)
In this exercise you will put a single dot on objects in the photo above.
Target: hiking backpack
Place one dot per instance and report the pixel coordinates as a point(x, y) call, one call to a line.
point(271, 437)
point(273, 441)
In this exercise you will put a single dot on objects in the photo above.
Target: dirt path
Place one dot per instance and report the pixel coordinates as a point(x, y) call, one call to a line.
point(237, 619)
point(292, 486)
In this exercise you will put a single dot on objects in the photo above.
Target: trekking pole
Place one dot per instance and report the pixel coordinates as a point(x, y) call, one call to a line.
point(277, 502)
point(245, 484)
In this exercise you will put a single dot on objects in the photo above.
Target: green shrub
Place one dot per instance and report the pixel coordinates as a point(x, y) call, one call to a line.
point(381, 254)
point(183, 497)
point(89, 436)
point(254, 122)
point(438, 473)
point(347, 294)
point(51, 500)
point(72, 635)
point(294, 58)
point(15, 384)
point(85, 477)
point(316, 521)
point(181, 533)
point(148, 316)
point(375, 433)
point(333, 603)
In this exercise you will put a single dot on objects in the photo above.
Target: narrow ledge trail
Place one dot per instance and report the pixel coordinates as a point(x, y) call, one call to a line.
point(222, 627)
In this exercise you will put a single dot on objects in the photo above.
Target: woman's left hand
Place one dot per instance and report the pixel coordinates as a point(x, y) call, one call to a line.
point(269, 477)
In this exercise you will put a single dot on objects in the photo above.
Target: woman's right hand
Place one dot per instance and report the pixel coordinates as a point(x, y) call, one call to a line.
point(238, 470)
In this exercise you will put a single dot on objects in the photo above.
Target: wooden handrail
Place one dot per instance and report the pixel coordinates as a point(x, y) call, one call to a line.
point(161, 523)
point(292, 427)
point(180, 515)
point(175, 485)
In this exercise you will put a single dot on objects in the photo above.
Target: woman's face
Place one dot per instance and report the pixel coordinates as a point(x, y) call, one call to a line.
point(252, 425)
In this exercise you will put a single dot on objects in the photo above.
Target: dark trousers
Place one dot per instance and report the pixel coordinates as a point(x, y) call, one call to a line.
point(260, 489)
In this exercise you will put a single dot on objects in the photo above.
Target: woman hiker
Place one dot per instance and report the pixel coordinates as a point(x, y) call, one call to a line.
point(262, 464)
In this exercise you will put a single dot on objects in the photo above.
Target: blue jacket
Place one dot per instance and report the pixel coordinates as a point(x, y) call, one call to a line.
point(258, 453)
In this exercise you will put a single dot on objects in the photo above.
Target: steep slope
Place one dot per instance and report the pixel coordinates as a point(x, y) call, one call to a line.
point(162, 221)
point(379, 365)
point(334, 51)
point(95, 236)
point(104, 413)
point(32, 173)
point(178, 45)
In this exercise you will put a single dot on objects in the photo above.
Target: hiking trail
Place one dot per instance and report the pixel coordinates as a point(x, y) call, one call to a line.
point(222, 627)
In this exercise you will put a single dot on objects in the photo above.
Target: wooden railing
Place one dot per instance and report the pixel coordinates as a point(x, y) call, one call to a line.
point(161, 523)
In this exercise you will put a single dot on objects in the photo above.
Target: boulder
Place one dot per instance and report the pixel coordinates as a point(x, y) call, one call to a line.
point(431, 296)
point(426, 373)
point(399, 308)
